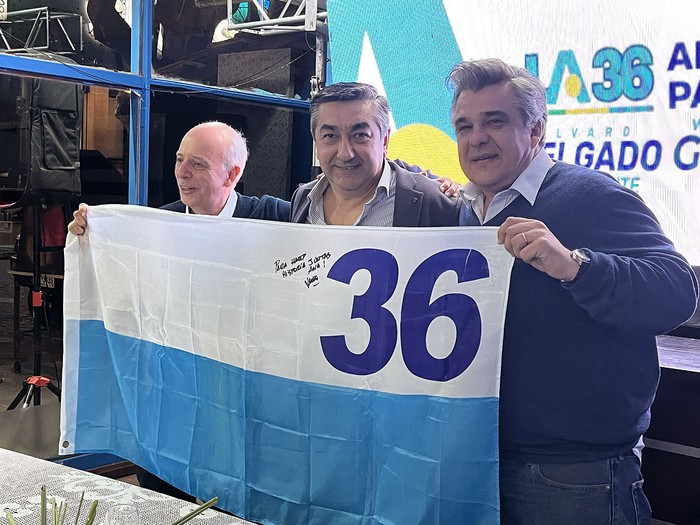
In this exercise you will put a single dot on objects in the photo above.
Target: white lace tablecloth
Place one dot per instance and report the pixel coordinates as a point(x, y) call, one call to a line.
point(21, 478)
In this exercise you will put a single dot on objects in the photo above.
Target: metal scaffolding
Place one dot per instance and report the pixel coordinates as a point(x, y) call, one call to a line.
point(41, 29)
point(287, 16)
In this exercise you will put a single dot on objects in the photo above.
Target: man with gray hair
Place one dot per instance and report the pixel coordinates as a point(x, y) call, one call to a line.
point(208, 165)
point(594, 281)
point(359, 186)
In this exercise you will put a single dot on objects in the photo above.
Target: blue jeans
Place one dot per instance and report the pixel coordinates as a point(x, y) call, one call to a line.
point(604, 492)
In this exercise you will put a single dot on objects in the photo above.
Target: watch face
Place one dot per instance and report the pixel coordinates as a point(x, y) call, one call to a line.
point(580, 256)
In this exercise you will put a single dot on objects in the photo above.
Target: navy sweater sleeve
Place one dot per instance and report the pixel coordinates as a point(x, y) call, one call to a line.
point(636, 279)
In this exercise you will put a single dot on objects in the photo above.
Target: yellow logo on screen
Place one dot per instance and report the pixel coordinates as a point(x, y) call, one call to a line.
point(428, 147)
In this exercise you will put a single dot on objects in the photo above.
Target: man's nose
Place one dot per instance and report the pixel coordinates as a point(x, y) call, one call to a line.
point(345, 149)
point(479, 136)
point(181, 170)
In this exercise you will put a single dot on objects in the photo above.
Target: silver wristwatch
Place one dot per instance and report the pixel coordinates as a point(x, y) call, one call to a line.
point(581, 256)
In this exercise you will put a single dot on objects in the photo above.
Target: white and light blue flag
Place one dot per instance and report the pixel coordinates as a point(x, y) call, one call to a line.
point(302, 374)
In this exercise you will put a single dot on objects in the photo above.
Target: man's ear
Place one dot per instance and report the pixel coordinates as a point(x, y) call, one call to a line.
point(537, 132)
point(386, 141)
point(233, 175)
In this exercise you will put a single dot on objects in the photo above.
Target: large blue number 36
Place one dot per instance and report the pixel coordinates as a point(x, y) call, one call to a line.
point(417, 313)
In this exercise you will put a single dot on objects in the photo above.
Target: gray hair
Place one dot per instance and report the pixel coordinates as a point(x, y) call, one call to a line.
point(237, 153)
point(349, 91)
point(527, 89)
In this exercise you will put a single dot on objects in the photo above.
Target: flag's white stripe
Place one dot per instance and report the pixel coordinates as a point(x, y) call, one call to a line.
point(237, 306)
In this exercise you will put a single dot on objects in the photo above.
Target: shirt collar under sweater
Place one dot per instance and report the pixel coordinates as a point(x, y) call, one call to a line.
point(527, 184)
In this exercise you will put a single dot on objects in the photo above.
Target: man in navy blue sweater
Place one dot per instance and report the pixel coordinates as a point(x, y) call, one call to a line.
point(595, 280)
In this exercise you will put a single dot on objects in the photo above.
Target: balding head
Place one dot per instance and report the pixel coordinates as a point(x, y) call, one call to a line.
point(233, 144)
point(209, 163)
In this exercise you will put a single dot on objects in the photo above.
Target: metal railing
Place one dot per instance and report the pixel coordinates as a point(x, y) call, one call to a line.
point(32, 29)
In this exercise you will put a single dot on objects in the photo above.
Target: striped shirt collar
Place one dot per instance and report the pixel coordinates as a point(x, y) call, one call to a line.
point(378, 211)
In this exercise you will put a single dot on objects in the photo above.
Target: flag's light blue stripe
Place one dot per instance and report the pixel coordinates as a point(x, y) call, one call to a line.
point(277, 450)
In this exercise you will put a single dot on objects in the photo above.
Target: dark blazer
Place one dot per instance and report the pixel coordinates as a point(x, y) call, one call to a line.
point(267, 208)
point(419, 201)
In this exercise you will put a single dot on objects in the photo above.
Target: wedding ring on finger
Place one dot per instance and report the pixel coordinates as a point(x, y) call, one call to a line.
point(525, 239)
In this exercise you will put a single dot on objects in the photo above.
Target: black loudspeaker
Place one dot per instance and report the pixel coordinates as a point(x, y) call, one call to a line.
point(40, 134)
